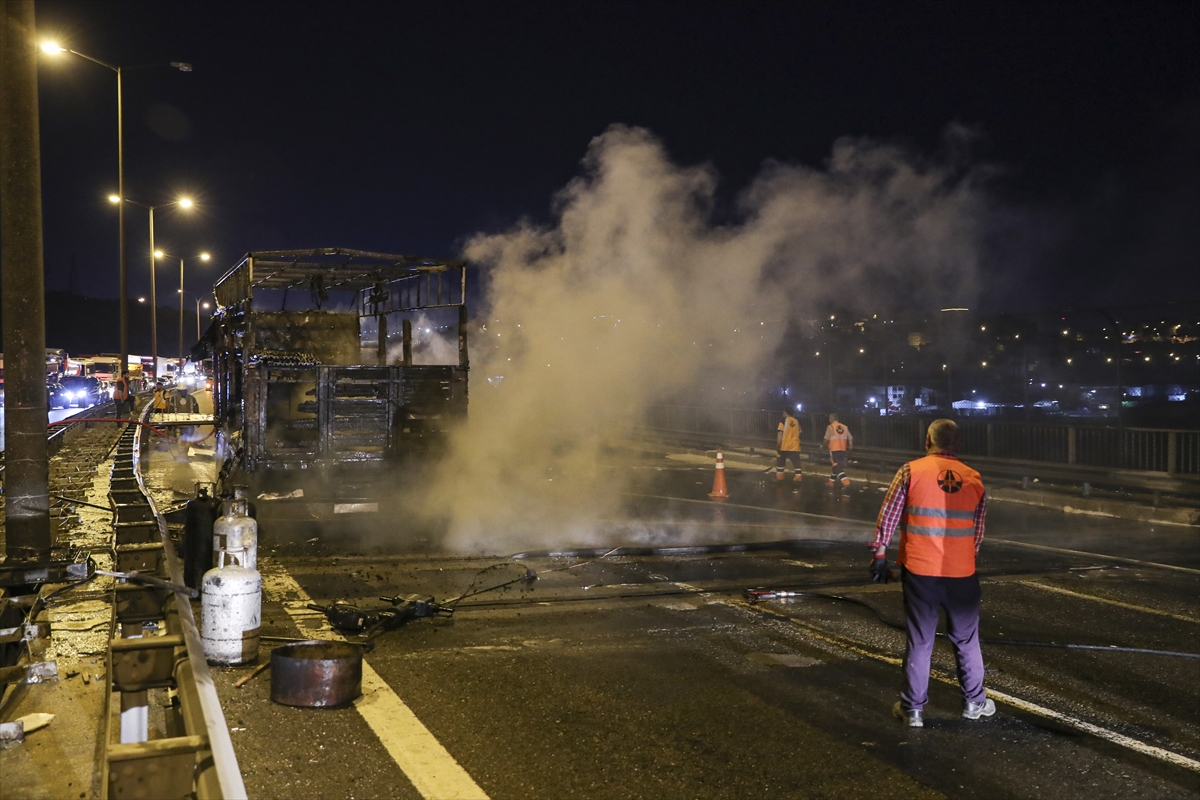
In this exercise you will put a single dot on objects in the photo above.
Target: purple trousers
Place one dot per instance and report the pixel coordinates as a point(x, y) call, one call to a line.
point(924, 597)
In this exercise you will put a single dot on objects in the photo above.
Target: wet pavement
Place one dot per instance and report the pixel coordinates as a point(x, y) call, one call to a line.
point(54, 415)
point(645, 673)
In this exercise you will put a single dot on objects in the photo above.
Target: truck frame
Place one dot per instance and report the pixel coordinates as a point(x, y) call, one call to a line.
point(297, 390)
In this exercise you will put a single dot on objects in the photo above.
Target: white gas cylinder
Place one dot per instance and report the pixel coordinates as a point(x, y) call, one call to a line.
point(230, 613)
point(236, 533)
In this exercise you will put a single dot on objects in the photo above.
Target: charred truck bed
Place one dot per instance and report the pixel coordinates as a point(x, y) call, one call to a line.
point(299, 389)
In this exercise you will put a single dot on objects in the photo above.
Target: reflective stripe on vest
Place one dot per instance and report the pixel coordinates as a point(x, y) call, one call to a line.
point(937, 531)
point(839, 436)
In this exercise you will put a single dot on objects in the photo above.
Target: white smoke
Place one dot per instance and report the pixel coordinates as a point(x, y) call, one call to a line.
point(434, 341)
point(634, 294)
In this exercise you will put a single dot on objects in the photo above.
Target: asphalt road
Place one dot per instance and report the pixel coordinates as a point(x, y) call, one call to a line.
point(642, 674)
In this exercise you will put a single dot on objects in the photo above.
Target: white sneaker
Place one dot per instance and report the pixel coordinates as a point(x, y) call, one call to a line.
point(977, 710)
point(913, 718)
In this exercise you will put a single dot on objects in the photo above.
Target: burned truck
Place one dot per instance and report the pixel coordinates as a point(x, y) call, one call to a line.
point(314, 401)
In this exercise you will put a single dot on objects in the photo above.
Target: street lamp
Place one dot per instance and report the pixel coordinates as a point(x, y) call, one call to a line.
point(199, 305)
point(203, 257)
point(183, 202)
point(53, 48)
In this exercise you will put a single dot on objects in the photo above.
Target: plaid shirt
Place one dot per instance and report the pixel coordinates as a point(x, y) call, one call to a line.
point(896, 499)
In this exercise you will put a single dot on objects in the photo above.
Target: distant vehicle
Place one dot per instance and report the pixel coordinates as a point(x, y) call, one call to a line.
point(84, 392)
point(104, 368)
point(57, 395)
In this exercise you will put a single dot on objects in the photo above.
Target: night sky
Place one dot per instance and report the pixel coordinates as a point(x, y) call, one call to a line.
point(408, 127)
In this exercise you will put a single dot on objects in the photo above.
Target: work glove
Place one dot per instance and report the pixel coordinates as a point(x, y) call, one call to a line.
point(879, 570)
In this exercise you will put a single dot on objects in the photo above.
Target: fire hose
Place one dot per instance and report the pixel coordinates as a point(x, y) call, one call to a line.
point(760, 595)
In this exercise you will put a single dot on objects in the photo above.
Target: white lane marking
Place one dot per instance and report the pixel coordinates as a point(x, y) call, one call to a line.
point(433, 771)
point(1091, 555)
point(1033, 708)
point(1118, 603)
point(1095, 730)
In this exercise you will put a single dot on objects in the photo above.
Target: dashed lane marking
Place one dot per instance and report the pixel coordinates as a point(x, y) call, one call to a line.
point(1033, 708)
point(430, 767)
point(1090, 554)
point(1106, 601)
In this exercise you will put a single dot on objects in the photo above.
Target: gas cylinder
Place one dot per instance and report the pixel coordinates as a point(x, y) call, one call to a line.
point(230, 613)
point(197, 533)
point(236, 533)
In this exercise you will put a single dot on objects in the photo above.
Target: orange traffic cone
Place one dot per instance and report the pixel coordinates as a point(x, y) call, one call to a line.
point(719, 493)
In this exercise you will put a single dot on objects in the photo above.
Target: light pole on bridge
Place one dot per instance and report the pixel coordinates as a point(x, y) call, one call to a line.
point(203, 257)
point(182, 202)
point(54, 48)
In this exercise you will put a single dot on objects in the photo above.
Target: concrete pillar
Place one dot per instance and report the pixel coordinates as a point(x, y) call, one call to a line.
point(27, 477)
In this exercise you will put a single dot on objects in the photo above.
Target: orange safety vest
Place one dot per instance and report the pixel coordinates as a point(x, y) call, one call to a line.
point(121, 390)
point(937, 530)
point(789, 435)
point(838, 436)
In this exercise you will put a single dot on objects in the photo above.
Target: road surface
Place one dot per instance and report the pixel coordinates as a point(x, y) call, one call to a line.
point(648, 674)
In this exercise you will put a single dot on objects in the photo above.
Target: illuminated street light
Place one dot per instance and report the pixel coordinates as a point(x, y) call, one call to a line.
point(202, 257)
point(199, 305)
point(55, 49)
point(182, 202)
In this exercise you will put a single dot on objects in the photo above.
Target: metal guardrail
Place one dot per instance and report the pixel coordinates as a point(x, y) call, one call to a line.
point(62, 434)
point(1172, 452)
point(197, 758)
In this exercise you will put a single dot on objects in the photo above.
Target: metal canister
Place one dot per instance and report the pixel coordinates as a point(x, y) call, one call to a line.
point(316, 674)
point(236, 532)
point(231, 613)
point(197, 533)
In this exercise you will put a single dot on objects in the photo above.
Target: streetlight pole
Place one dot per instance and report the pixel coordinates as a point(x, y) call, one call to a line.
point(182, 202)
point(199, 305)
point(123, 281)
point(203, 257)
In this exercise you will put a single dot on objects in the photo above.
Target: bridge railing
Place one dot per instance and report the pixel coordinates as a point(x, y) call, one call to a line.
point(1174, 452)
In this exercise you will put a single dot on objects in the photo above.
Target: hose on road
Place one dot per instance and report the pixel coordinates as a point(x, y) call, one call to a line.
point(1109, 648)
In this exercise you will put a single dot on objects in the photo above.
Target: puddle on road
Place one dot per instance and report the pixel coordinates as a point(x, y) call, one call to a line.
point(784, 659)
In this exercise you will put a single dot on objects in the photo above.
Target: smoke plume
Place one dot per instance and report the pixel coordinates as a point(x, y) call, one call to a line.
point(634, 295)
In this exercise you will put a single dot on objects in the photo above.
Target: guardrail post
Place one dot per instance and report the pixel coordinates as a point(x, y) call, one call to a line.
point(1172, 452)
point(991, 440)
point(1071, 445)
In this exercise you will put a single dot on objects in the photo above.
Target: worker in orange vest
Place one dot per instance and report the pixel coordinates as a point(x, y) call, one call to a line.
point(939, 505)
point(787, 446)
point(121, 396)
point(159, 403)
point(840, 442)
